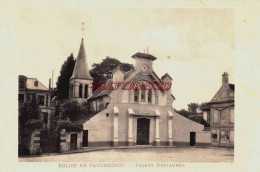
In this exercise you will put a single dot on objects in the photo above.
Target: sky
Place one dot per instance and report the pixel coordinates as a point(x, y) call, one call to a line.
point(194, 46)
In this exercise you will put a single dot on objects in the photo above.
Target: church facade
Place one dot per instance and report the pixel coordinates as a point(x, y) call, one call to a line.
point(136, 116)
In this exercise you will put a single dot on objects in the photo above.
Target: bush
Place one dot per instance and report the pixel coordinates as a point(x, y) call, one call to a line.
point(70, 109)
point(33, 124)
point(73, 110)
point(69, 126)
point(23, 150)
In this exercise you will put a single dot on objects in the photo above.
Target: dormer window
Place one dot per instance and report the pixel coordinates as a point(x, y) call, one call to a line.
point(36, 83)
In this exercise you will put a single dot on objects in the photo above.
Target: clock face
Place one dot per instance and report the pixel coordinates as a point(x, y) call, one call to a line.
point(144, 68)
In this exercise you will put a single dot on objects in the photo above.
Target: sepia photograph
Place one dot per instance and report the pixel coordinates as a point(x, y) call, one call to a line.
point(129, 85)
point(124, 83)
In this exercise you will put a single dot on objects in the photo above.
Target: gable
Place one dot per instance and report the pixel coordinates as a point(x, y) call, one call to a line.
point(139, 76)
point(30, 84)
point(224, 93)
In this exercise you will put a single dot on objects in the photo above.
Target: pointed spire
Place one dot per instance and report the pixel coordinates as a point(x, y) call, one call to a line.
point(81, 67)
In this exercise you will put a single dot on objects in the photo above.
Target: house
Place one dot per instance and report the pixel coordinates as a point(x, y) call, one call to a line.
point(220, 112)
point(32, 88)
point(130, 116)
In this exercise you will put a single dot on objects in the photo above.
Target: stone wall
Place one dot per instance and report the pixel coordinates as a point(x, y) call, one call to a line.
point(34, 145)
point(65, 138)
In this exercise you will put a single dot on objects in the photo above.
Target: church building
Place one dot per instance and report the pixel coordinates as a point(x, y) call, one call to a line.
point(131, 117)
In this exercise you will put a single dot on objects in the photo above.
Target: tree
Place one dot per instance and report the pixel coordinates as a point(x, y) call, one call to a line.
point(204, 106)
point(29, 110)
point(184, 113)
point(64, 78)
point(103, 71)
point(29, 120)
point(72, 110)
point(192, 107)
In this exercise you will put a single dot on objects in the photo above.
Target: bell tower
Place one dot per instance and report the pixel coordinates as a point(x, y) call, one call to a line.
point(143, 62)
point(81, 80)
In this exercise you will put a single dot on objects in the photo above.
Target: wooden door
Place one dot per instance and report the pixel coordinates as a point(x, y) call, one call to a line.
point(143, 126)
point(73, 141)
point(85, 138)
point(192, 138)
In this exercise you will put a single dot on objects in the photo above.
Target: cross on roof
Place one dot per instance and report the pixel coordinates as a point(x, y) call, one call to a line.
point(83, 29)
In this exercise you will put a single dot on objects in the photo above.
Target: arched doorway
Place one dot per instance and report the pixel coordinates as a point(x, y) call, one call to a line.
point(143, 125)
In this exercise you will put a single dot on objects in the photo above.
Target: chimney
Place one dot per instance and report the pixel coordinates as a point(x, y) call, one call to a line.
point(225, 78)
point(49, 83)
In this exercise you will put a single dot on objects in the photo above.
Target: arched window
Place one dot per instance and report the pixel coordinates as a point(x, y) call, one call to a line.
point(86, 91)
point(143, 93)
point(80, 90)
point(136, 97)
point(150, 96)
point(156, 97)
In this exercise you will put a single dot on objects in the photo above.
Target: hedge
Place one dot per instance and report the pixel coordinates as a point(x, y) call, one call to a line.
point(69, 126)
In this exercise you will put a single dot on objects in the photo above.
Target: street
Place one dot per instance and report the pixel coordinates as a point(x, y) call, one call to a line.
point(149, 154)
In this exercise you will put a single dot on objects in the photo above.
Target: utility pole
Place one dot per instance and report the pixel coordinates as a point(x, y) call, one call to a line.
point(220, 115)
point(52, 78)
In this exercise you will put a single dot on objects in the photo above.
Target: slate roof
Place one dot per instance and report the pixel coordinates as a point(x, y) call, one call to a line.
point(80, 70)
point(129, 73)
point(143, 55)
point(99, 93)
point(32, 85)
